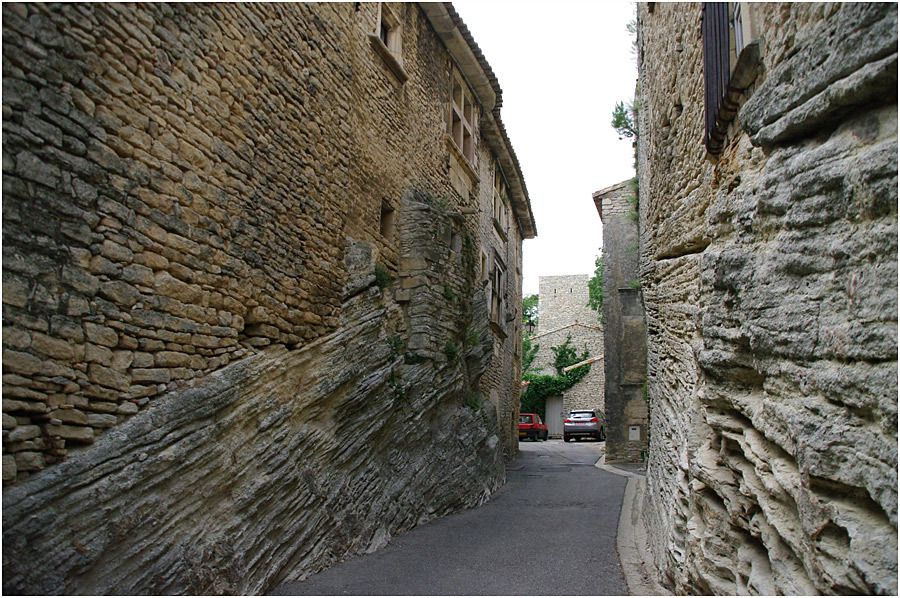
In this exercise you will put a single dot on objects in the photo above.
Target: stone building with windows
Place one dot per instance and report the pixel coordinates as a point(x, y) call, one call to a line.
point(767, 162)
point(563, 314)
point(260, 287)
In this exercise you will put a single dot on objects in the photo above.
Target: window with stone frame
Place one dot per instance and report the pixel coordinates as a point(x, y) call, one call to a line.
point(501, 203)
point(387, 39)
point(463, 119)
point(388, 30)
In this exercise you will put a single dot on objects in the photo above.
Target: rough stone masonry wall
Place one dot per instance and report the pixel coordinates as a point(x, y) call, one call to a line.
point(770, 284)
point(625, 335)
point(564, 313)
point(191, 213)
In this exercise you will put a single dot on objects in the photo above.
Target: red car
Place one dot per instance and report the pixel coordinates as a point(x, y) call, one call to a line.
point(530, 425)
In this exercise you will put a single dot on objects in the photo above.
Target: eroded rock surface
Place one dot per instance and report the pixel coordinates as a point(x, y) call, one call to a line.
point(770, 280)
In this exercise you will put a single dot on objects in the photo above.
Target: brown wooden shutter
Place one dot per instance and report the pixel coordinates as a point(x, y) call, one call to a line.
point(716, 72)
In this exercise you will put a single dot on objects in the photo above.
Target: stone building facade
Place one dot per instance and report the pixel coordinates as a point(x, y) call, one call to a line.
point(563, 313)
point(768, 264)
point(625, 341)
point(260, 288)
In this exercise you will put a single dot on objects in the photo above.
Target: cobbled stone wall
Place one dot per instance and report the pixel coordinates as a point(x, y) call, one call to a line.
point(564, 314)
point(218, 365)
point(770, 284)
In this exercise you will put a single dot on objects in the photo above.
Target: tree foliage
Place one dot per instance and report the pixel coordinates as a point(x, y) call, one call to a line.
point(541, 386)
point(530, 309)
point(623, 120)
point(595, 288)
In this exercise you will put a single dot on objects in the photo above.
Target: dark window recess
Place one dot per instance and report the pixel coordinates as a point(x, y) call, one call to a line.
point(387, 221)
point(724, 85)
point(383, 33)
point(716, 72)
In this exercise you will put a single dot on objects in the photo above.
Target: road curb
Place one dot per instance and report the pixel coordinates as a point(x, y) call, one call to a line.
point(631, 537)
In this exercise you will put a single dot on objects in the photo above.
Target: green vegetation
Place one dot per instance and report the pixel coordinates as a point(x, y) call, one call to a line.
point(396, 344)
point(448, 293)
point(595, 288)
point(529, 350)
point(382, 276)
point(530, 309)
point(624, 120)
point(470, 338)
point(474, 401)
point(634, 284)
point(541, 386)
point(451, 351)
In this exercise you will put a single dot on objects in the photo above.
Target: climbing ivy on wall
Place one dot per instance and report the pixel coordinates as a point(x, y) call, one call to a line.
point(541, 386)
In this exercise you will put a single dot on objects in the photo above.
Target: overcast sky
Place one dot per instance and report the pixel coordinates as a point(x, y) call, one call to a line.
point(562, 66)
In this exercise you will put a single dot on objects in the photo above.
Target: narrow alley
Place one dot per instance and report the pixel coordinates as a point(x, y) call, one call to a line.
point(550, 531)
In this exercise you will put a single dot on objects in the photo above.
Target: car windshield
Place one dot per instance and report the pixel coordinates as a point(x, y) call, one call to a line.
point(582, 415)
point(524, 419)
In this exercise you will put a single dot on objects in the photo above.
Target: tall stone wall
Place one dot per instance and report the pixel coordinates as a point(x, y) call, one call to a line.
point(220, 366)
point(770, 284)
point(563, 314)
point(625, 341)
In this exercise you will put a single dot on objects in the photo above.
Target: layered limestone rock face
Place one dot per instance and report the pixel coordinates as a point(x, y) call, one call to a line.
point(770, 284)
point(280, 464)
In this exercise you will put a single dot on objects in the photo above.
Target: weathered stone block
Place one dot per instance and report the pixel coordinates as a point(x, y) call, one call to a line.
point(24, 433)
point(98, 354)
point(74, 433)
point(101, 335)
point(151, 375)
point(127, 408)
point(108, 377)
point(28, 461)
point(101, 420)
point(52, 347)
point(70, 416)
point(25, 364)
point(15, 291)
point(10, 468)
point(120, 292)
point(172, 359)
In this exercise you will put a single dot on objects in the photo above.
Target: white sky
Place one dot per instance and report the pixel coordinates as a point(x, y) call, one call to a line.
point(562, 66)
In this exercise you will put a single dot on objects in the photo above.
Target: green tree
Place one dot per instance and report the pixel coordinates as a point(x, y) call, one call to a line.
point(530, 309)
point(595, 288)
point(623, 120)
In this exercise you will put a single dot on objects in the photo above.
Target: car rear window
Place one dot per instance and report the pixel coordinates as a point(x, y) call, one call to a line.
point(524, 419)
point(582, 415)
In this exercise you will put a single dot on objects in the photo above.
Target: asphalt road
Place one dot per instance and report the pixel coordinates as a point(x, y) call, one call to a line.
point(551, 530)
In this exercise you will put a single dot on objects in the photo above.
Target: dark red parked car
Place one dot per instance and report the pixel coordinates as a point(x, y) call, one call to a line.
point(531, 426)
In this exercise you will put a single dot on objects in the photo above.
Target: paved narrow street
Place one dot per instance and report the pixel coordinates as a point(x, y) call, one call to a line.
point(550, 531)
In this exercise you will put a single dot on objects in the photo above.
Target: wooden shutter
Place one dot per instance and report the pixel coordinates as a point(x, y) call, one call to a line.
point(716, 71)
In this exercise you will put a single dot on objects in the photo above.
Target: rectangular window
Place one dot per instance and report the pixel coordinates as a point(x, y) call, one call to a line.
point(498, 292)
point(389, 29)
point(387, 41)
point(463, 118)
point(501, 203)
